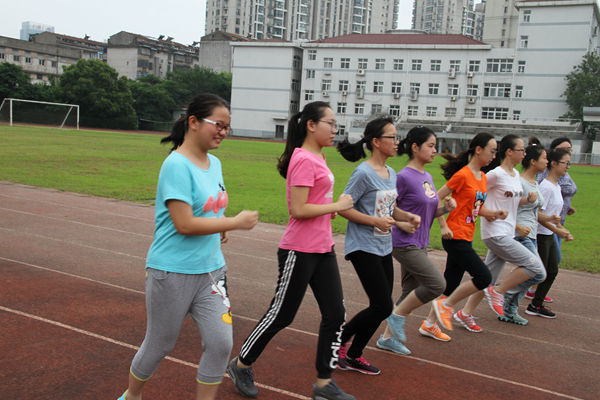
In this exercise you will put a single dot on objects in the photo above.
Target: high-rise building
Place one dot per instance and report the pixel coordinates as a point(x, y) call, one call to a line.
point(300, 19)
point(472, 21)
point(501, 23)
point(441, 16)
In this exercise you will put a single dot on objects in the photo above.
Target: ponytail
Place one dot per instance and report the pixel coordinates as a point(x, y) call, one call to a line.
point(418, 135)
point(373, 130)
point(455, 164)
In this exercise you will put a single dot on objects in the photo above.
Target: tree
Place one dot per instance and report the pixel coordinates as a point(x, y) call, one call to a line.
point(583, 87)
point(153, 100)
point(16, 84)
point(202, 80)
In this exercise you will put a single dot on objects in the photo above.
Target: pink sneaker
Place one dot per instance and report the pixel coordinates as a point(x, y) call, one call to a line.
point(495, 300)
point(467, 322)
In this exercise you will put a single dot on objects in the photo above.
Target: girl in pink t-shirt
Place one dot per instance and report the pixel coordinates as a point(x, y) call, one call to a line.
point(306, 255)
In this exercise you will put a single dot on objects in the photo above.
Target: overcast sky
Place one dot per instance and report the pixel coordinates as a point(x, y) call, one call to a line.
point(182, 19)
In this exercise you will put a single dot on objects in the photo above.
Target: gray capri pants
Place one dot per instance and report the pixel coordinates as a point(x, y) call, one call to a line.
point(169, 298)
point(418, 274)
point(503, 249)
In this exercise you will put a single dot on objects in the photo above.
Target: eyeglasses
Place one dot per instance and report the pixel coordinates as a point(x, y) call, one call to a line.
point(492, 151)
point(523, 150)
point(334, 124)
point(396, 138)
point(220, 126)
point(568, 163)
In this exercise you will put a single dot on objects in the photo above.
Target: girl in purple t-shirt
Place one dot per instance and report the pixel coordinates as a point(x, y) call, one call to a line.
point(306, 255)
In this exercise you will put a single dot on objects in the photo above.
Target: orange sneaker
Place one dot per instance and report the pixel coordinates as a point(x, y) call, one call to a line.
point(443, 313)
point(495, 300)
point(433, 332)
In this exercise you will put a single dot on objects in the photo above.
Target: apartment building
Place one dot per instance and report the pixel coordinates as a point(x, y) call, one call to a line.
point(442, 16)
point(89, 49)
point(300, 19)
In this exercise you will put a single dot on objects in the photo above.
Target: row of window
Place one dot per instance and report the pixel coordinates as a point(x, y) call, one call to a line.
point(29, 60)
point(492, 64)
point(489, 89)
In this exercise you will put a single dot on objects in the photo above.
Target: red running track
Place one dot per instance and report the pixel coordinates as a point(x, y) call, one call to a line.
point(72, 314)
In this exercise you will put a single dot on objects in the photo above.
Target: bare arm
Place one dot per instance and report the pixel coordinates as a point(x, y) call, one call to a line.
point(186, 224)
point(382, 223)
point(301, 209)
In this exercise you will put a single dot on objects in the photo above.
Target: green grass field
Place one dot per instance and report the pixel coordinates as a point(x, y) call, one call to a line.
point(125, 166)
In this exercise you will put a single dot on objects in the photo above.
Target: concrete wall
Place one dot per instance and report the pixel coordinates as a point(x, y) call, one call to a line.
point(216, 55)
point(124, 60)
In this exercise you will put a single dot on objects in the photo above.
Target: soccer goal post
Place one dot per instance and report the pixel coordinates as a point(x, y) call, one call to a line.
point(34, 115)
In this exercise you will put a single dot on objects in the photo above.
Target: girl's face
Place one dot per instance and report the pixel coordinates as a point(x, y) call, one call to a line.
point(541, 163)
point(210, 134)
point(427, 151)
point(562, 166)
point(323, 129)
point(488, 153)
point(517, 153)
point(387, 143)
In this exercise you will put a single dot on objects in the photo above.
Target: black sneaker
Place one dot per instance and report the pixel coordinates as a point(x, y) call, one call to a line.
point(330, 392)
point(242, 378)
point(361, 365)
point(540, 311)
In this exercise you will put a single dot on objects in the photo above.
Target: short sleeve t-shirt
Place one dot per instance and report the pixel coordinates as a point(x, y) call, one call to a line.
point(504, 193)
point(417, 195)
point(568, 188)
point(375, 196)
point(553, 205)
point(527, 214)
point(470, 193)
point(310, 235)
point(204, 191)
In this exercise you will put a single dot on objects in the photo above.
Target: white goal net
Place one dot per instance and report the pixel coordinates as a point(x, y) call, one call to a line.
point(31, 112)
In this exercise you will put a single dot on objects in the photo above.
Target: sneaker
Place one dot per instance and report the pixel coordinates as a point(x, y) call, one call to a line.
point(341, 364)
point(361, 365)
point(123, 396)
point(467, 322)
point(434, 332)
point(243, 379)
point(530, 295)
point(396, 325)
point(330, 392)
point(495, 300)
point(540, 311)
point(514, 318)
point(392, 344)
point(443, 313)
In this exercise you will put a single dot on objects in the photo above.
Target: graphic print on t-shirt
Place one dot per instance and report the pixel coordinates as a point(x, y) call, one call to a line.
point(216, 205)
point(385, 201)
point(429, 192)
point(330, 193)
point(479, 199)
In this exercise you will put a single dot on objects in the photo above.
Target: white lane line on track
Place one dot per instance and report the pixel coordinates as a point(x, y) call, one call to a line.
point(132, 347)
point(315, 335)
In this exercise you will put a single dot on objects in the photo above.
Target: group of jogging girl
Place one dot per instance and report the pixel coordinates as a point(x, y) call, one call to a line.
point(388, 216)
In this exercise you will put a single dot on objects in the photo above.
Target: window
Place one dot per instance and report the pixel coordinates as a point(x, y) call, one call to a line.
point(359, 108)
point(309, 95)
point(496, 90)
point(361, 85)
point(503, 32)
point(434, 88)
point(294, 107)
point(502, 43)
point(524, 42)
point(344, 86)
point(499, 64)
point(312, 54)
point(436, 65)
point(396, 87)
point(450, 112)
point(526, 15)
point(380, 63)
point(518, 91)
point(416, 65)
point(39, 76)
point(326, 84)
point(415, 87)
point(516, 115)
point(431, 111)
point(472, 90)
point(505, 10)
point(455, 64)
point(413, 110)
point(452, 89)
point(362, 63)
point(42, 62)
point(295, 84)
point(341, 130)
point(328, 62)
point(345, 63)
point(377, 87)
point(395, 111)
point(310, 73)
point(398, 64)
point(376, 108)
point(28, 60)
point(341, 108)
point(470, 113)
point(297, 62)
point(474, 65)
point(504, 21)
point(494, 113)
point(521, 67)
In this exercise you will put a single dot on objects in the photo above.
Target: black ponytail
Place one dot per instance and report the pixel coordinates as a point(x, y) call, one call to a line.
point(455, 164)
point(201, 106)
point(297, 132)
point(418, 135)
point(373, 130)
point(508, 142)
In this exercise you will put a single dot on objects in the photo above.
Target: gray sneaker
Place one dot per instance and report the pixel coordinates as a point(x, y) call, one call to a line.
point(514, 318)
point(242, 378)
point(392, 344)
point(396, 325)
point(330, 392)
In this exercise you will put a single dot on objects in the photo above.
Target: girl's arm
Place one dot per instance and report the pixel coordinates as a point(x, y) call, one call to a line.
point(554, 219)
point(523, 230)
point(300, 209)
point(446, 232)
point(382, 223)
point(406, 216)
point(492, 215)
point(531, 197)
point(558, 229)
point(186, 224)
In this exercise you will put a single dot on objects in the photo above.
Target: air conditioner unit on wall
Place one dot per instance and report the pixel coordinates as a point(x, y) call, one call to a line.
point(470, 74)
point(452, 73)
point(344, 93)
point(414, 95)
point(360, 72)
point(471, 100)
point(325, 94)
point(326, 72)
point(396, 95)
point(453, 98)
point(360, 93)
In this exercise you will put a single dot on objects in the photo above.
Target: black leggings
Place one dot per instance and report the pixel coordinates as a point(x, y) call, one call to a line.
point(548, 252)
point(461, 258)
point(376, 273)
